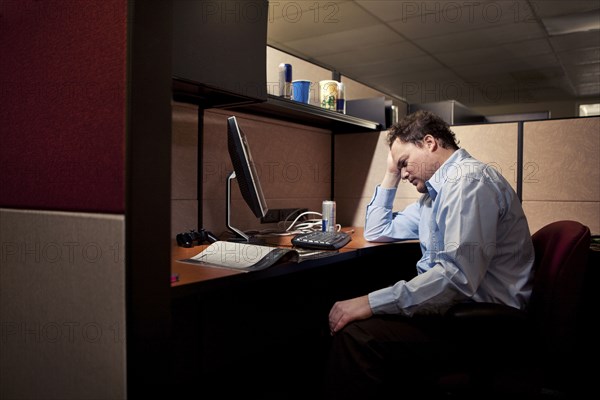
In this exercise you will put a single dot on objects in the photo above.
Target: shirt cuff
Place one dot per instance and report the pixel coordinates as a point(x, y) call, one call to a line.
point(383, 301)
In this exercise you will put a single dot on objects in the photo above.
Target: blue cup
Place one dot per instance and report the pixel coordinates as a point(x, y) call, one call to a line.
point(301, 90)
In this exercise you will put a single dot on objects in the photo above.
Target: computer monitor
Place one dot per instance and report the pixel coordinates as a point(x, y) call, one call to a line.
point(245, 173)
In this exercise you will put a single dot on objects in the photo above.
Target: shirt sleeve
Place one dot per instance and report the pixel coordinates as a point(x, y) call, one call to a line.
point(384, 225)
point(460, 249)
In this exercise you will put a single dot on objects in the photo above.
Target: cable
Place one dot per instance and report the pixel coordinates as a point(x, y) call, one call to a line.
point(305, 224)
point(310, 224)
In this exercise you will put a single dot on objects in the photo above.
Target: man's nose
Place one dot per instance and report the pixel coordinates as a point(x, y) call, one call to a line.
point(404, 173)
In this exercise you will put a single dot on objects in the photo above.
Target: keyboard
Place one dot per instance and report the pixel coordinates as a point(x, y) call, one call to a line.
point(321, 240)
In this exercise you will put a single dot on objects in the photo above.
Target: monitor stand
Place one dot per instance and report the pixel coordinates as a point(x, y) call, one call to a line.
point(240, 236)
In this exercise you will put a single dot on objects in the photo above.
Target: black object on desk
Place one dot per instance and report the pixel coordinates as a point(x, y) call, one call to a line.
point(192, 238)
point(321, 240)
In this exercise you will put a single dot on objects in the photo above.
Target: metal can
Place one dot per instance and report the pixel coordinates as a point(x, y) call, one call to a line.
point(341, 99)
point(328, 217)
point(285, 80)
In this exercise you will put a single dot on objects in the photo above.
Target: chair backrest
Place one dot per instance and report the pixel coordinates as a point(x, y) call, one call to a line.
point(561, 252)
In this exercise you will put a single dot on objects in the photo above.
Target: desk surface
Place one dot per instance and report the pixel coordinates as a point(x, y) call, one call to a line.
point(205, 276)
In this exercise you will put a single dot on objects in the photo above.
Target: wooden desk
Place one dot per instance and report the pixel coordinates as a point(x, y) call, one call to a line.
point(206, 278)
point(267, 330)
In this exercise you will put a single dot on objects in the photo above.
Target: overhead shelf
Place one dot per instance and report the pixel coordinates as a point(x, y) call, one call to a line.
point(207, 97)
point(309, 114)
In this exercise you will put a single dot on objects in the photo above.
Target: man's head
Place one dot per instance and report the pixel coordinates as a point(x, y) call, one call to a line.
point(420, 143)
point(414, 127)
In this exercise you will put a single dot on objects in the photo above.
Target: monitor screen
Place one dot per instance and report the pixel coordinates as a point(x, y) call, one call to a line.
point(244, 169)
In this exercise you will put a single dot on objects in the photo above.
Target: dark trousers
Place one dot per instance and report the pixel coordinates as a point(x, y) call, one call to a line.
point(387, 355)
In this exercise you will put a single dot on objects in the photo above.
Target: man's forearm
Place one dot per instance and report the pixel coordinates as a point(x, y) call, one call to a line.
point(390, 180)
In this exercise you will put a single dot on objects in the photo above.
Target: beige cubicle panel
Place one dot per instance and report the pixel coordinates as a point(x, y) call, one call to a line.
point(360, 162)
point(561, 171)
point(62, 301)
point(293, 162)
point(494, 144)
point(184, 171)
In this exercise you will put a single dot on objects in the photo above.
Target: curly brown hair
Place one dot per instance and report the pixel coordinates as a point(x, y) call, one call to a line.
point(414, 127)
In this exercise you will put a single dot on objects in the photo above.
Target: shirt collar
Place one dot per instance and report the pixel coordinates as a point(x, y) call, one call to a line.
point(436, 181)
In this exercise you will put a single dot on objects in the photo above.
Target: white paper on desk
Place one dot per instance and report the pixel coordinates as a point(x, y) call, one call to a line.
point(243, 256)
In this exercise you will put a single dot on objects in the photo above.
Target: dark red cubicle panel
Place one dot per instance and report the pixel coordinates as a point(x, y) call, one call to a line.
point(63, 88)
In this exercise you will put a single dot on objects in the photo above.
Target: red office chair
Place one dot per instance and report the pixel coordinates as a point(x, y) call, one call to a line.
point(509, 351)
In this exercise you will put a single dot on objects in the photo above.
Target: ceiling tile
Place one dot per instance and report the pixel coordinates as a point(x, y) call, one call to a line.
point(366, 55)
point(583, 56)
point(454, 17)
point(387, 10)
point(338, 17)
point(564, 24)
point(431, 90)
point(543, 94)
point(393, 67)
point(481, 38)
point(488, 55)
point(553, 8)
point(591, 89)
point(421, 77)
point(582, 40)
point(587, 73)
point(348, 40)
point(509, 65)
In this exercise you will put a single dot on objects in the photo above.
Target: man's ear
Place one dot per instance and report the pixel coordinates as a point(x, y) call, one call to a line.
point(430, 142)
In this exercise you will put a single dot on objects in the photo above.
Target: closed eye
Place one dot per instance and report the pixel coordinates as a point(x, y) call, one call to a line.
point(401, 164)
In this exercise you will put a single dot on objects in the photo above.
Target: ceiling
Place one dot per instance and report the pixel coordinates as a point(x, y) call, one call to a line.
point(478, 52)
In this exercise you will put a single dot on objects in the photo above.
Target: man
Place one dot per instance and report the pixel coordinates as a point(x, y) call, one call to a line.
point(476, 246)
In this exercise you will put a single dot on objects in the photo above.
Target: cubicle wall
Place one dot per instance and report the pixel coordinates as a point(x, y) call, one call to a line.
point(560, 178)
point(561, 171)
point(494, 144)
point(184, 168)
point(360, 162)
point(293, 162)
point(63, 200)
point(62, 305)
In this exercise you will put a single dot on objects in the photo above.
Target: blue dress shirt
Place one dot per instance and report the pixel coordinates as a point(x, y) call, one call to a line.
point(474, 237)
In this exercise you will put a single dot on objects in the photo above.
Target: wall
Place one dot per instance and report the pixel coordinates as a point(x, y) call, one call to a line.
point(561, 177)
point(558, 109)
point(493, 144)
point(293, 162)
point(359, 167)
point(62, 307)
point(62, 199)
point(184, 171)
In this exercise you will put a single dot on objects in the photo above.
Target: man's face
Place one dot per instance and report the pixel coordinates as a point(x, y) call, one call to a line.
point(416, 163)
